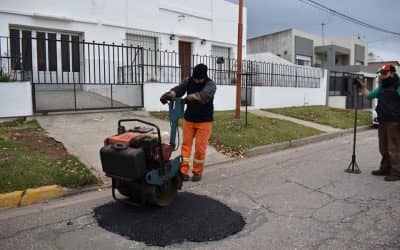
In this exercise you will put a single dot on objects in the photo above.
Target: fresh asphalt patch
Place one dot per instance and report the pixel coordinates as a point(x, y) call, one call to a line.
point(191, 218)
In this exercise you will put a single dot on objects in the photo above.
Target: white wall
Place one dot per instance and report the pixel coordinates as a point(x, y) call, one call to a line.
point(15, 99)
point(263, 97)
point(276, 97)
point(225, 97)
point(337, 102)
point(152, 93)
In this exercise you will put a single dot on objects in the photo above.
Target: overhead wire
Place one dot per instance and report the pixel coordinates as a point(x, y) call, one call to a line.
point(348, 18)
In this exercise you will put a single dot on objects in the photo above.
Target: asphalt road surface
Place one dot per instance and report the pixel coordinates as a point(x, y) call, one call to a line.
point(294, 199)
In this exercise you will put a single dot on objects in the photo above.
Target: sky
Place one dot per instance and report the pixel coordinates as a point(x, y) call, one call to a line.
point(268, 16)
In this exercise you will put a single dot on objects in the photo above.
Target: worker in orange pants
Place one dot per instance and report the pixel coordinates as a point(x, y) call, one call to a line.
point(200, 132)
point(199, 114)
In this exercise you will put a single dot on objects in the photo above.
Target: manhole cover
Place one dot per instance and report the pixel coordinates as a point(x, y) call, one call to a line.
point(191, 217)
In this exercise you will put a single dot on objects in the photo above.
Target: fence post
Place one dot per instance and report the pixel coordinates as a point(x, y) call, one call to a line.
point(272, 74)
point(142, 82)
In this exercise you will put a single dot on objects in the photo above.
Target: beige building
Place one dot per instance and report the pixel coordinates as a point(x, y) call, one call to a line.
point(311, 50)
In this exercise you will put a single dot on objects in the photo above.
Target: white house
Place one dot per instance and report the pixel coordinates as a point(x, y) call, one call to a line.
point(92, 45)
point(125, 53)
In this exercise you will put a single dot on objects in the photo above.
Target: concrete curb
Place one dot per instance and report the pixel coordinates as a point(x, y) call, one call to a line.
point(30, 196)
point(301, 142)
point(11, 199)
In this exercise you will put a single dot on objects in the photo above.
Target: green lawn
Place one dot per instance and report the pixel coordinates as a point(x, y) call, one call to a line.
point(338, 118)
point(28, 159)
point(260, 131)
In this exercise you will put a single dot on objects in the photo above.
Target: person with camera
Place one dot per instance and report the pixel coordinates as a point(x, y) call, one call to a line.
point(200, 91)
point(388, 110)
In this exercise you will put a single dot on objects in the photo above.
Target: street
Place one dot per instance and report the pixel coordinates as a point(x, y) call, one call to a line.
point(294, 199)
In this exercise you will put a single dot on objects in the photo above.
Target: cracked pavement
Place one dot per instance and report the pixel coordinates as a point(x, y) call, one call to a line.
point(294, 199)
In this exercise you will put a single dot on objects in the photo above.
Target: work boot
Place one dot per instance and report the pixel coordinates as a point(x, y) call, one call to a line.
point(185, 177)
point(196, 177)
point(380, 172)
point(392, 178)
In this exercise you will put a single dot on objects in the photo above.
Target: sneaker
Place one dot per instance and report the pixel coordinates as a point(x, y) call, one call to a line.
point(392, 178)
point(196, 177)
point(185, 177)
point(380, 172)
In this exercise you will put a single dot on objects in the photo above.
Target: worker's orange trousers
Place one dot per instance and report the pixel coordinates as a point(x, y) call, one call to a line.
point(200, 132)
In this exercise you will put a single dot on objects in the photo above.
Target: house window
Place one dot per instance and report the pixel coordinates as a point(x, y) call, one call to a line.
point(303, 60)
point(41, 50)
point(27, 50)
point(219, 51)
point(65, 53)
point(15, 49)
point(46, 44)
point(70, 50)
point(21, 49)
point(52, 51)
point(150, 55)
point(75, 54)
point(146, 42)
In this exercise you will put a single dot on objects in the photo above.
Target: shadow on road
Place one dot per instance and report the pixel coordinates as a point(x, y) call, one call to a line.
point(191, 217)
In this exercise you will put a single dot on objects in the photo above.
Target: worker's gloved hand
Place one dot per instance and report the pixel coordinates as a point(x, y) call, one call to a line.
point(359, 83)
point(193, 97)
point(167, 96)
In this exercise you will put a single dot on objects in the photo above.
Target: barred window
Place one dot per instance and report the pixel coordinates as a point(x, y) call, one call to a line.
point(220, 51)
point(147, 42)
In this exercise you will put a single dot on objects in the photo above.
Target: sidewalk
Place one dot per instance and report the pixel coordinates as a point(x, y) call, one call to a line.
point(320, 127)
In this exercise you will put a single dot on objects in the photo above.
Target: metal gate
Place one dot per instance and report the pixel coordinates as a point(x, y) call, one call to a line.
point(341, 84)
point(69, 74)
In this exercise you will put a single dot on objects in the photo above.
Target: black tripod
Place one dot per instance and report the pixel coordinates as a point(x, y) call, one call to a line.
point(353, 166)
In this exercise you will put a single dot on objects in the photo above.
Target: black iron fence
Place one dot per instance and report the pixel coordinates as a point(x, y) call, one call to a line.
point(68, 61)
point(72, 74)
point(167, 67)
point(47, 60)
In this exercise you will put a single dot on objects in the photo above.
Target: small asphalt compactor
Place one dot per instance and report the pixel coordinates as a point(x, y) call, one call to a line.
point(140, 164)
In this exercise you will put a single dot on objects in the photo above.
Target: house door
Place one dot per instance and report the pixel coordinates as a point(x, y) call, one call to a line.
point(185, 53)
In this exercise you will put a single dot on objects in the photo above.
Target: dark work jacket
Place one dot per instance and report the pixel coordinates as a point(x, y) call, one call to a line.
point(198, 111)
point(388, 108)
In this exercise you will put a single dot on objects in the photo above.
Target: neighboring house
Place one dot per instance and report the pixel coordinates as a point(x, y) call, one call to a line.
point(344, 58)
point(96, 45)
point(310, 50)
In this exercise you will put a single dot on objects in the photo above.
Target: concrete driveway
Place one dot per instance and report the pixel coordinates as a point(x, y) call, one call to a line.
point(83, 134)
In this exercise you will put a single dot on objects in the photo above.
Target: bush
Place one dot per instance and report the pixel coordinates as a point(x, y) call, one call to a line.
point(4, 77)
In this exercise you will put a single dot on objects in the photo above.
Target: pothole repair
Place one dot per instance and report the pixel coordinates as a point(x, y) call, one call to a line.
point(191, 218)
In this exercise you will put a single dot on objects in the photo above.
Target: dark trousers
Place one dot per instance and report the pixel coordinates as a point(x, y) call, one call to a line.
point(389, 146)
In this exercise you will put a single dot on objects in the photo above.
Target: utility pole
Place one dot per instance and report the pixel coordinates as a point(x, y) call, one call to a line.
point(239, 62)
point(323, 33)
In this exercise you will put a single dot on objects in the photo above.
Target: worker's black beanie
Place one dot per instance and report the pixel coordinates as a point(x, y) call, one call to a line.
point(200, 71)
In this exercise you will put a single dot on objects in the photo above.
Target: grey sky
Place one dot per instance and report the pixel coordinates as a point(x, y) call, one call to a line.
point(267, 16)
